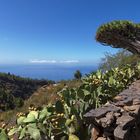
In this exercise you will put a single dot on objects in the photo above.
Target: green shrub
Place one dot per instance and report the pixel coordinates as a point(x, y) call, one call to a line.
point(64, 120)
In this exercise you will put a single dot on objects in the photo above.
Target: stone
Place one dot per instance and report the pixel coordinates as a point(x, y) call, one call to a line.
point(136, 101)
point(107, 120)
point(101, 112)
point(116, 114)
point(125, 121)
point(120, 134)
point(127, 101)
point(110, 118)
point(118, 98)
point(120, 119)
point(94, 133)
point(103, 122)
point(132, 109)
point(101, 138)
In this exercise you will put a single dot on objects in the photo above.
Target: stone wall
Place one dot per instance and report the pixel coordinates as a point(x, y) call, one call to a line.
point(117, 120)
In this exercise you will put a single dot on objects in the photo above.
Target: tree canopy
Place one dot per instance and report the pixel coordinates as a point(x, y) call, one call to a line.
point(120, 34)
point(77, 74)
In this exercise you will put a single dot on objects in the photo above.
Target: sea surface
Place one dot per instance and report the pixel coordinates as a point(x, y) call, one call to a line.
point(50, 72)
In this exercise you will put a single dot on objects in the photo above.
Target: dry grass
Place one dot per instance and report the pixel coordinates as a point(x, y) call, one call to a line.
point(42, 97)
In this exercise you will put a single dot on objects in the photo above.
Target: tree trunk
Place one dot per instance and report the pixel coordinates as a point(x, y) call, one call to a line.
point(132, 46)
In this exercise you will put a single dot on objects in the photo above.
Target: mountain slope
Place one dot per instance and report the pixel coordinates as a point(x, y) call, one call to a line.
point(15, 89)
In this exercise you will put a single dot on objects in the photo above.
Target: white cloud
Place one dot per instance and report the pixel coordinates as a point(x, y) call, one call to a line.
point(53, 61)
point(70, 61)
point(42, 61)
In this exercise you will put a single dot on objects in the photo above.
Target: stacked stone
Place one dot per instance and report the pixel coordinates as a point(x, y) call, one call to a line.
point(117, 120)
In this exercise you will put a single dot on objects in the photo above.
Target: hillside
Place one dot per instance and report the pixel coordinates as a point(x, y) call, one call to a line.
point(42, 96)
point(15, 89)
point(63, 118)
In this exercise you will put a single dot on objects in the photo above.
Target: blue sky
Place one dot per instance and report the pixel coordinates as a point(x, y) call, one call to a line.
point(62, 31)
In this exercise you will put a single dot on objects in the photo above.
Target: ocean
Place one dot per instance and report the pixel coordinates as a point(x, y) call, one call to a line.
point(47, 71)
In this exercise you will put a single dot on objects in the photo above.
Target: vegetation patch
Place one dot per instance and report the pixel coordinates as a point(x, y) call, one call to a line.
point(64, 119)
point(15, 89)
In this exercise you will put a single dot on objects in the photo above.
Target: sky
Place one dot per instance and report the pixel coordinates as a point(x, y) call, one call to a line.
point(58, 31)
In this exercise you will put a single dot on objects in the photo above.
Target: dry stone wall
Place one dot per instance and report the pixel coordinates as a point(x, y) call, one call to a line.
point(117, 120)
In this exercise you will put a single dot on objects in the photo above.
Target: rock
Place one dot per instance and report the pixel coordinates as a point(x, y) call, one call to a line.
point(136, 101)
point(107, 120)
point(110, 118)
point(125, 121)
point(103, 122)
point(117, 114)
point(120, 134)
point(118, 98)
point(94, 133)
point(135, 109)
point(131, 108)
point(101, 112)
point(127, 101)
point(101, 138)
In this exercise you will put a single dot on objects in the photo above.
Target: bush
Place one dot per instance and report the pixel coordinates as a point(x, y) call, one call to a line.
point(120, 59)
point(64, 119)
point(77, 74)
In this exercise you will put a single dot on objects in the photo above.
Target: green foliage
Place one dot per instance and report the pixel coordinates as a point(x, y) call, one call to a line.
point(15, 89)
point(77, 74)
point(3, 135)
point(120, 34)
point(8, 101)
point(44, 95)
point(64, 120)
point(120, 59)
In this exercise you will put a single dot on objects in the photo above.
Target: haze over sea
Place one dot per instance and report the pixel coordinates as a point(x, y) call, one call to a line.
point(54, 72)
